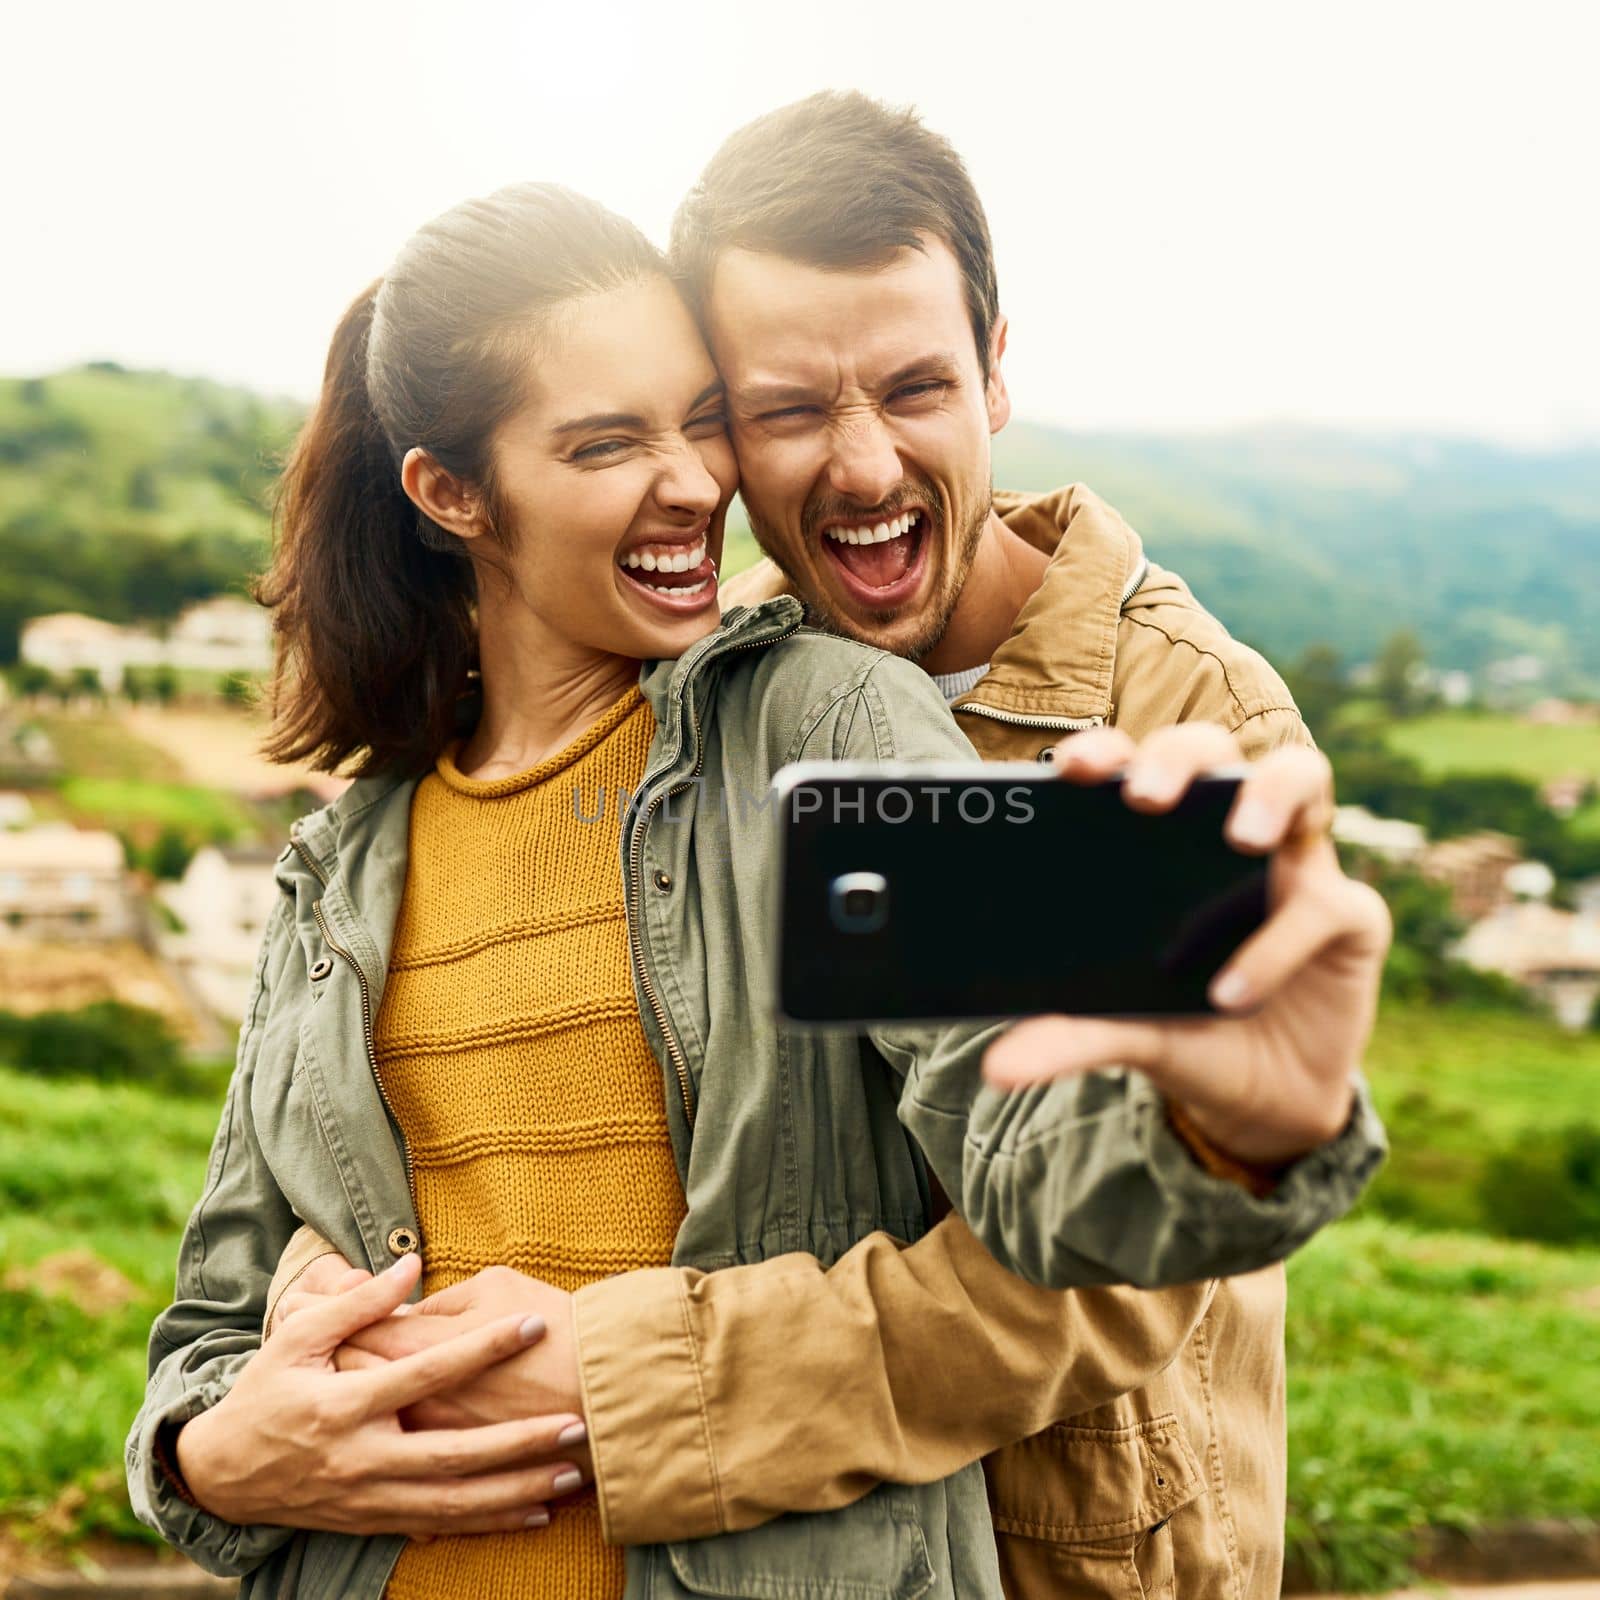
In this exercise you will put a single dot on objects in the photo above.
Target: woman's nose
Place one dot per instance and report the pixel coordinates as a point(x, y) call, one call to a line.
point(688, 484)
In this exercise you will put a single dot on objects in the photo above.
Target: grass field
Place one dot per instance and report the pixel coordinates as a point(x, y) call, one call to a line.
point(1437, 1376)
point(1462, 741)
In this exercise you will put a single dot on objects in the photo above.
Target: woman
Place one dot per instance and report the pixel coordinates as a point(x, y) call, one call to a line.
point(502, 1019)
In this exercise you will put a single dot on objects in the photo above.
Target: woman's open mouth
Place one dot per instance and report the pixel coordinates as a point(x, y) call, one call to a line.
point(880, 563)
point(678, 577)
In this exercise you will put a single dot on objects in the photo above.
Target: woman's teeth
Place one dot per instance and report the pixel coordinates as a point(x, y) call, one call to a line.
point(876, 532)
point(680, 560)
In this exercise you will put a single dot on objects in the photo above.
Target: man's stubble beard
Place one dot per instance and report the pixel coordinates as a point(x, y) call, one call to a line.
point(821, 613)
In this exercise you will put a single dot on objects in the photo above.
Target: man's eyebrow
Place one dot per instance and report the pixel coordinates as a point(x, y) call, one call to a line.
point(754, 395)
point(936, 364)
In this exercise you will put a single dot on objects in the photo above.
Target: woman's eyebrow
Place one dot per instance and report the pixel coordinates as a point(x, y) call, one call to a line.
point(712, 391)
point(603, 419)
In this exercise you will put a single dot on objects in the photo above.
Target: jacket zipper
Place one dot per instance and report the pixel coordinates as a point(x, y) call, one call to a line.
point(635, 888)
point(1018, 719)
point(366, 1015)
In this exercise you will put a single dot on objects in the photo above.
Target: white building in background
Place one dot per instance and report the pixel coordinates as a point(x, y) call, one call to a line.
point(1386, 837)
point(223, 901)
point(1555, 954)
point(67, 642)
point(219, 636)
point(60, 882)
point(16, 810)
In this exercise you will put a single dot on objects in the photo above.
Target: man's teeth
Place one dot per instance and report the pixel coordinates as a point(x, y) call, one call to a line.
point(668, 561)
point(875, 532)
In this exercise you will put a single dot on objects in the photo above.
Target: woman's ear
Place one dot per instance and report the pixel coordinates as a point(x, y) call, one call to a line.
point(441, 496)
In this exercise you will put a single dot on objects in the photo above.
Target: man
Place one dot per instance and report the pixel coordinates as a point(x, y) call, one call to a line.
point(1133, 1440)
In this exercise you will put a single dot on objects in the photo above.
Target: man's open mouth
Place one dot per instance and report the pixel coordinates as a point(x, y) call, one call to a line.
point(880, 562)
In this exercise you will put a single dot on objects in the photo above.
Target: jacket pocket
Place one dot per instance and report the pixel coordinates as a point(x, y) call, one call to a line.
point(1085, 1510)
point(872, 1550)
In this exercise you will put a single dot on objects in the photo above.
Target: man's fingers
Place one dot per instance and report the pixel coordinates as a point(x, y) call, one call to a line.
point(1053, 1047)
point(1094, 755)
point(320, 1328)
point(1288, 794)
point(412, 1378)
point(1171, 759)
point(1346, 912)
point(466, 1452)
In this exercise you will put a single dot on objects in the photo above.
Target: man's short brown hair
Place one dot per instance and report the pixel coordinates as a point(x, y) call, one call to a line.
point(838, 181)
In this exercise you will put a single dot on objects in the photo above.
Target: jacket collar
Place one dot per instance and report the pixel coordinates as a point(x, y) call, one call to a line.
point(1060, 656)
point(353, 852)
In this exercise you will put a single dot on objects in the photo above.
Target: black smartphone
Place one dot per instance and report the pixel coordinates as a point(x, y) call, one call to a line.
point(933, 892)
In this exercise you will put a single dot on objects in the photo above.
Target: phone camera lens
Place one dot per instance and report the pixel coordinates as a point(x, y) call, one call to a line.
point(859, 902)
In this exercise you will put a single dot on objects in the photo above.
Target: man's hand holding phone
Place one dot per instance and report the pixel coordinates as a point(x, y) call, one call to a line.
point(1271, 1077)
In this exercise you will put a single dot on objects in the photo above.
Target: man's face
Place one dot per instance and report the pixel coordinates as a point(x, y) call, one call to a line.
point(861, 417)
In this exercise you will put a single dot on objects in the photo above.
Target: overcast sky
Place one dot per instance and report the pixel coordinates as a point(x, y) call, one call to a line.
point(1204, 213)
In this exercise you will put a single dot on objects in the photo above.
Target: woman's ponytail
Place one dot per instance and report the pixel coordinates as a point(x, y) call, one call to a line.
point(375, 629)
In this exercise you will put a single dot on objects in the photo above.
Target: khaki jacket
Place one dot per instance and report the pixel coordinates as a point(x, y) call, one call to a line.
point(1133, 1440)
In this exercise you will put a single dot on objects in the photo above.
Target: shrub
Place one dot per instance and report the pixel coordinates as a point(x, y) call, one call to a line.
point(1546, 1186)
point(107, 1041)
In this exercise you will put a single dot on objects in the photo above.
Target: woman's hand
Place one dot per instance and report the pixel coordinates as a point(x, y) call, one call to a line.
point(1271, 1078)
point(543, 1380)
point(300, 1444)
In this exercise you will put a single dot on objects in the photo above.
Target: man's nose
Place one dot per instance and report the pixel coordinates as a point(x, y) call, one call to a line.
point(865, 466)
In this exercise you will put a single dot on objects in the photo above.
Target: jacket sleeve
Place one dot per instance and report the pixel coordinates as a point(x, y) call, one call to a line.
point(202, 1341)
point(906, 1364)
point(1084, 1180)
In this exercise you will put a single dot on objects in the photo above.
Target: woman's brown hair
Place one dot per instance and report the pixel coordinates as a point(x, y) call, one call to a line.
point(372, 602)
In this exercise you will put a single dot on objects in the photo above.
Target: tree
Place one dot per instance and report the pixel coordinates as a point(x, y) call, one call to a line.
point(170, 855)
point(85, 681)
point(239, 689)
point(1317, 683)
point(29, 680)
point(1398, 670)
point(164, 684)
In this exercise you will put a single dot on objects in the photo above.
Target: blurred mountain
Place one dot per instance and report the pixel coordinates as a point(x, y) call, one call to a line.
point(129, 494)
point(1296, 535)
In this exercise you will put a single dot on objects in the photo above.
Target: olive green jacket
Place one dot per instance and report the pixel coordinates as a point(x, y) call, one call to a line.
point(783, 1141)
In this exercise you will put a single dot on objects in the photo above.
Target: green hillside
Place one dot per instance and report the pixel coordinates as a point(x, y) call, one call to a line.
point(129, 494)
point(1299, 535)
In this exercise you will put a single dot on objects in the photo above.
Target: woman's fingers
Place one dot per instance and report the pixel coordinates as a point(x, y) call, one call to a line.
point(321, 1328)
point(468, 1452)
point(402, 1383)
point(489, 1503)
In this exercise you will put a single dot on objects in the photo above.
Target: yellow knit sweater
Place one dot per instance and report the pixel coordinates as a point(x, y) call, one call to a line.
point(510, 1046)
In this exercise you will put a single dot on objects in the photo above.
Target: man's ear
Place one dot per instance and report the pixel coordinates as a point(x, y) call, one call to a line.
point(441, 496)
point(997, 401)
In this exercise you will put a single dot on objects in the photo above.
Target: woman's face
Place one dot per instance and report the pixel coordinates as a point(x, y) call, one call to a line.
point(616, 474)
